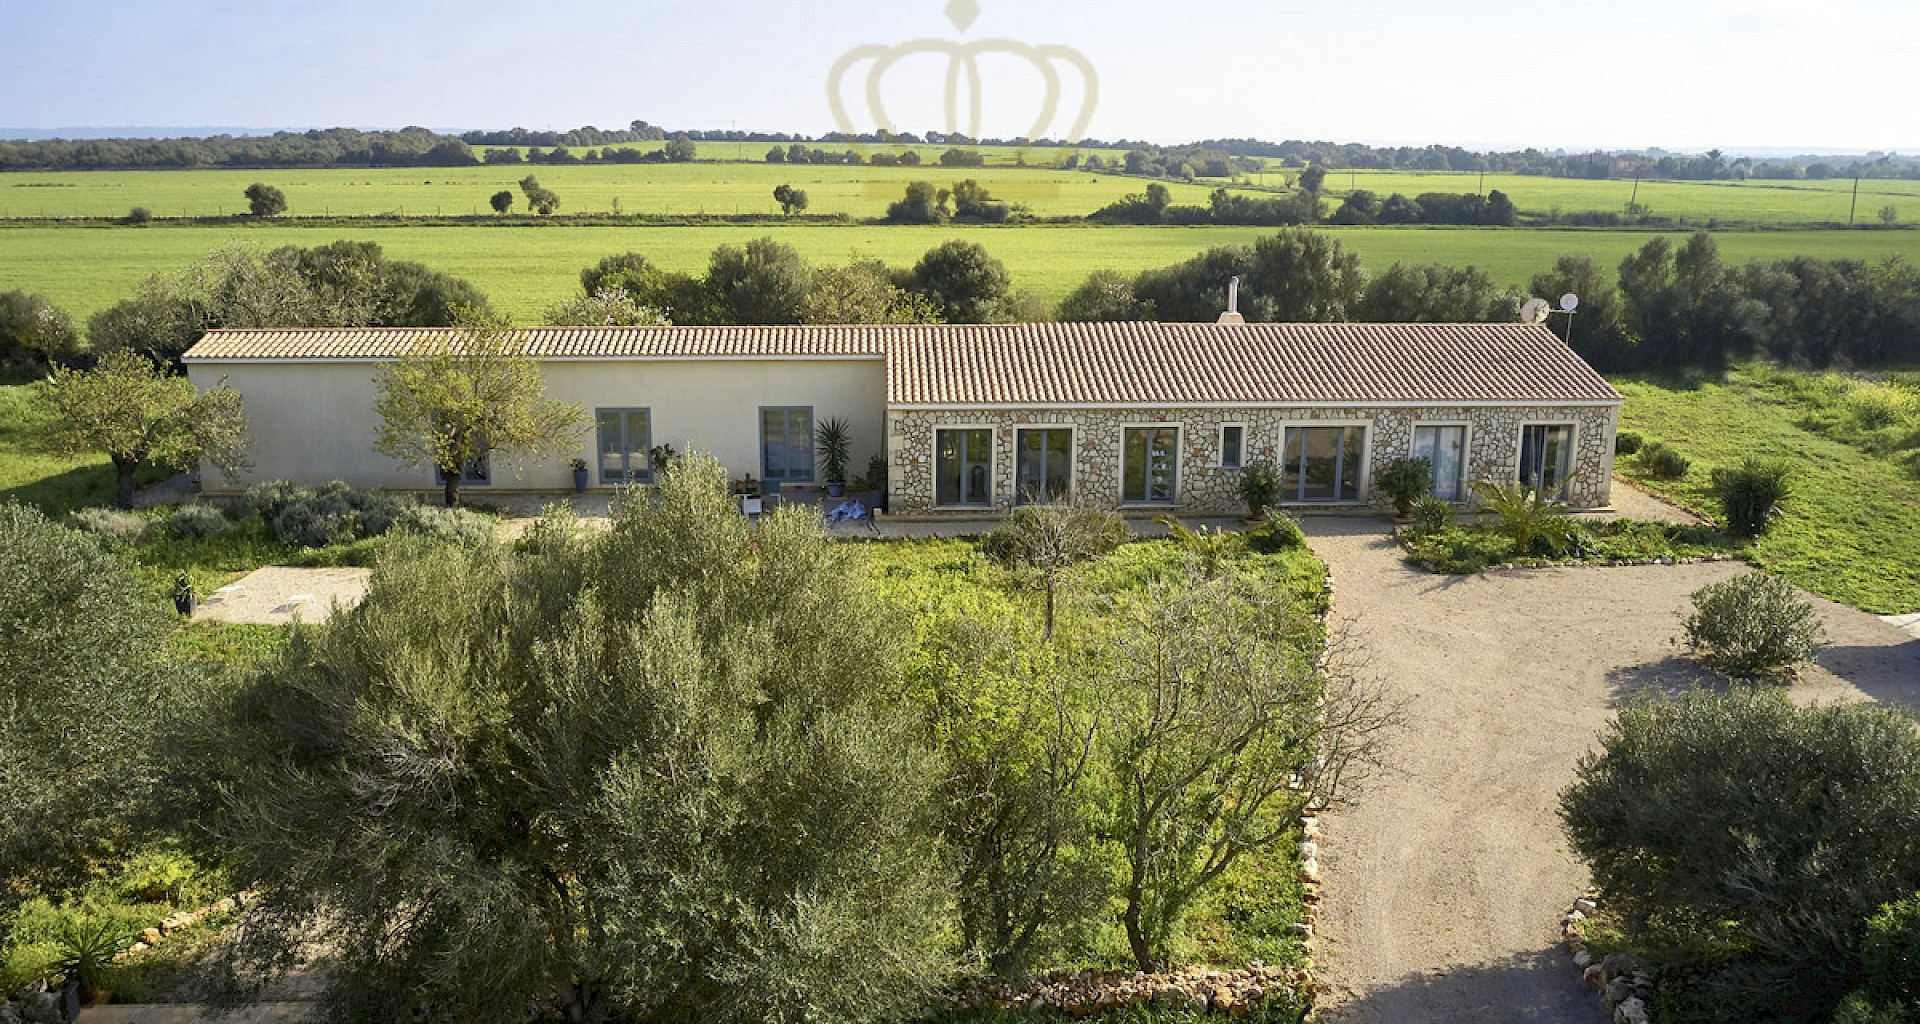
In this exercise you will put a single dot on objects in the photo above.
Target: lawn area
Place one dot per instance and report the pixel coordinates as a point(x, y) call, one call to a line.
point(1697, 202)
point(1851, 530)
point(522, 269)
point(689, 188)
point(31, 474)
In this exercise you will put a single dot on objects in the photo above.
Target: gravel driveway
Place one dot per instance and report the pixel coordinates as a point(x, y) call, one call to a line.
point(1446, 880)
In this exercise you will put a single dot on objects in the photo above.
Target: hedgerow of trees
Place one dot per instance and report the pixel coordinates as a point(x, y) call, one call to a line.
point(342, 284)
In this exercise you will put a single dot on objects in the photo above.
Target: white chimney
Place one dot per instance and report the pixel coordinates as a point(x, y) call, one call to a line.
point(1232, 315)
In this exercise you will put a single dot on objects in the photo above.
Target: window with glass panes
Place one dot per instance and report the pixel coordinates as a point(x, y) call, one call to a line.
point(625, 437)
point(1546, 456)
point(786, 444)
point(1043, 464)
point(963, 467)
point(1149, 464)
point(1322, 464)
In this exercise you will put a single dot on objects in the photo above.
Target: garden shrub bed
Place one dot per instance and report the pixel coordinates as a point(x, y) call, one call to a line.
point(1463, 549)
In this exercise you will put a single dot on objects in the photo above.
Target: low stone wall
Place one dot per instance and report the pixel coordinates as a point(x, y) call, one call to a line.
point(1623, 982)
point(1204, 487)
point(1085, 993)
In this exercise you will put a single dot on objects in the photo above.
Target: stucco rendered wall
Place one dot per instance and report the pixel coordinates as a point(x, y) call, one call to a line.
point(315, 422)
point(1493, 445)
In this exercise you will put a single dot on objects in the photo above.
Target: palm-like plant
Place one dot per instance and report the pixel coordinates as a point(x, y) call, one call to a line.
point(834, 443)
point(1527, 514)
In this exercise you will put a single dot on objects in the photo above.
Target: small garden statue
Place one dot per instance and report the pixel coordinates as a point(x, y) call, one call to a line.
point(184, 599)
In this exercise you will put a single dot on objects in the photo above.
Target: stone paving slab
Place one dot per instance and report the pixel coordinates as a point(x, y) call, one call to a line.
point(1908, 624)
point(279, 594)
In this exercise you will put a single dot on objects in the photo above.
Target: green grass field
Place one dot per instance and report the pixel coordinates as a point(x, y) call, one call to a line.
point(1697, 202)
point(862, 192)
point(1851, 530)
point(84, 269)
point(694, 188)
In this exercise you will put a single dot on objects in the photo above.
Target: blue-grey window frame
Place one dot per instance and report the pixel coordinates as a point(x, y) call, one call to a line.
point(645, 475)
point(808, 443)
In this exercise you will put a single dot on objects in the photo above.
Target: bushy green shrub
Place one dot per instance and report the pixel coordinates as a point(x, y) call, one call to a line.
point(332, 514)
point(1404, 481)
point(1664, 462)
point(1627, 442)
point(1277, 532)
point(310, 525)
point(1861, 1008)
point(1749, 837)
point(267, 500)
point(451, 525)
point(1430, 514)
point(1259, 486)
point(112, 523)
point(1751, 495)
point(198, 519)
point(665, 775)
point(1753, 626)
point(1890, 952)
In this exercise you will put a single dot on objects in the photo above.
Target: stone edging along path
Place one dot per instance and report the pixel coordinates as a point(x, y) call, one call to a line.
point(1622, 980)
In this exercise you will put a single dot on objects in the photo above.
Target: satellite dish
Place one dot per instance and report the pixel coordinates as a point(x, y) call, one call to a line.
point(1569, 302)
point(1534, 311)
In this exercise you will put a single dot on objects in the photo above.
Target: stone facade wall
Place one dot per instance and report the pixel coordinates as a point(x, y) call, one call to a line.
point(1493, 444)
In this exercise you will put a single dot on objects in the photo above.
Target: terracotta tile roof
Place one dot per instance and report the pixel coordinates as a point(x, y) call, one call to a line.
point(324, 344)
point(1068, 364)
point(1171, 364)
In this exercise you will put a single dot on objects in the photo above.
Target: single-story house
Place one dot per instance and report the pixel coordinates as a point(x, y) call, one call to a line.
point(975, 419)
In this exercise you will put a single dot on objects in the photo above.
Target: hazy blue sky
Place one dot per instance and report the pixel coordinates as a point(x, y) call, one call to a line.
point(1831, 74)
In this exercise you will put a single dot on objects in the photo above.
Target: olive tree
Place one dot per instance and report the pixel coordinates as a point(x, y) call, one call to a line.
point(34, 335)
point(609, 307)
point(1051, 539)
point(263, 200)
point(131, 408)
point(81, 685)
point(659, 773)
point(466, 396)
point(1222, 724)
point(1018, 724)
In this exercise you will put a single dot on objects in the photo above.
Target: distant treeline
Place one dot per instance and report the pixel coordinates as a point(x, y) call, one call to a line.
point(1214, 158)
point(1663, 308)
point(1219, 158)
point(1304, 206)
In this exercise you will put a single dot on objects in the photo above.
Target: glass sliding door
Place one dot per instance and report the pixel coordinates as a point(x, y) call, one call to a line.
point(1043, 465)
point(1546, 456)
point(786, 444)
point(1445, 448)
point(626, 437)
point(1322, 464)
point(1150, 465)
point(963, 468)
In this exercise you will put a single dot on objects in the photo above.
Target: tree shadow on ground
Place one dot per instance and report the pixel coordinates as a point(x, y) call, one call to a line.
point(1540, 987)
point(1889, 673)
point(1669, 676)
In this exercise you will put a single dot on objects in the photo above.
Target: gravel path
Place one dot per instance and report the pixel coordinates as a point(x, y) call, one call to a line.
point(279, 594)
point(1447, 879)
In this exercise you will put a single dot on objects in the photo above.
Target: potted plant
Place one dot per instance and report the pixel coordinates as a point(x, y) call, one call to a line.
point(1259, 487)
point(579, 474)
point(874, 483)
point(747, 486)
point(834, 442)
point(184, 599)
point(1405, 481)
